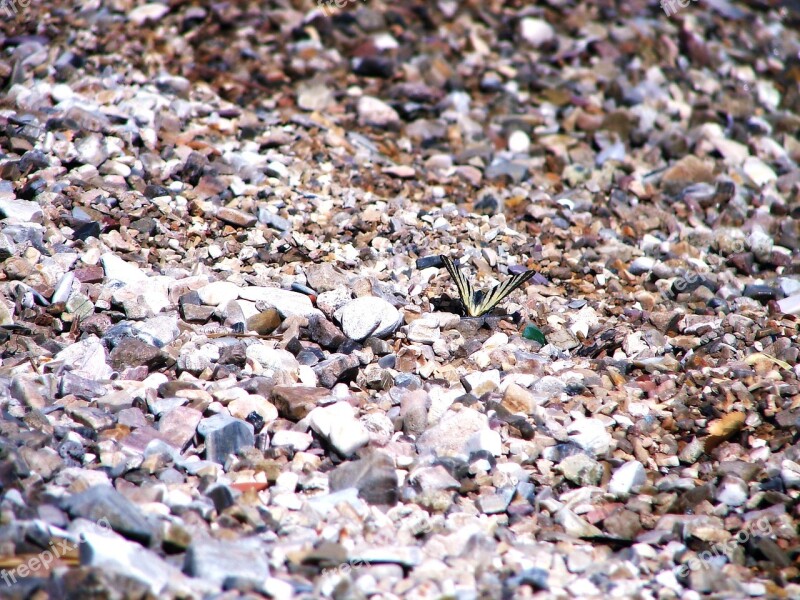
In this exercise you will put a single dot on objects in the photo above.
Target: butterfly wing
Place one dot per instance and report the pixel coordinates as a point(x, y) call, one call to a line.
point(500, 291)
point(465, 291)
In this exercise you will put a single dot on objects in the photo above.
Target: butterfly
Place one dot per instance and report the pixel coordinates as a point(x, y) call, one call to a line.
point(479, 302)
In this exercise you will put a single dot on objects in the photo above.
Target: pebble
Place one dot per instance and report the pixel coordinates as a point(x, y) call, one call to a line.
point(225, 435)
point(368, 316)
point(338, 425)
point(153, 223)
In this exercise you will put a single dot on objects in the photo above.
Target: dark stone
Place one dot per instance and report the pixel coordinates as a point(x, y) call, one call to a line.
point(86, 230)
point(374, 477)
point(155, 191)
point(132, 352)
point(325, 333)
point(338, 367)
point(222, 497)
point(225, 435)
point(233, 355)
point(427, 262)
point(374, 66)
point(762, 293)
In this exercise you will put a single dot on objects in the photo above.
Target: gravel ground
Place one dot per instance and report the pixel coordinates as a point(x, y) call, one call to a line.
point(233, 365)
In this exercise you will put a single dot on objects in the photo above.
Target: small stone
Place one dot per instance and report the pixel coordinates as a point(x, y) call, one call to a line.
point(581, 470)
point(147, 12)
point(179, 425)
point(758, 172)
point(337, 424)
point(337, 368)
point(265, 322)
point(295, 402)
point(495, 503)
point(518, 400)
point(519, 142)
point(537, 32)
point(368, 316)
point(21, 210)
point(375, 112)
point(449, 436)
point(218, 293)
point(131, 352)
point(591, 435)
point(627, 479)
point(242, 407)
point(102, 503)
point(732, 491)
point(277, 169)
point(414, 411)
point(297, 440)
point(227, 562)
point(225, 435)
point(479, 383)
point(325, 333)
point(485, 440)
point(287, 303)
point(374, 477)
point(117, 269)
point(325, 277)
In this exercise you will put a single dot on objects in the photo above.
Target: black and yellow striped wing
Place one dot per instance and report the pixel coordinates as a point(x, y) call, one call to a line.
point(477, 303)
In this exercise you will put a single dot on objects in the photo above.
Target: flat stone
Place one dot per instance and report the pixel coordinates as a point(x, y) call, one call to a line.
point(227, 562)
point(179, 425)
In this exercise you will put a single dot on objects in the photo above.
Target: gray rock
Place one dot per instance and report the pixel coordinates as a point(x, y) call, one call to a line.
point(581, 470)
point(368, 316)
point(449, 436)
point(428, 479)
point(225, 435)
point(227, 562)
point(336, 368)
point(103, 549)
point(495, 503)
point(325, 277)
point(104, 504)
point(374, 477)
